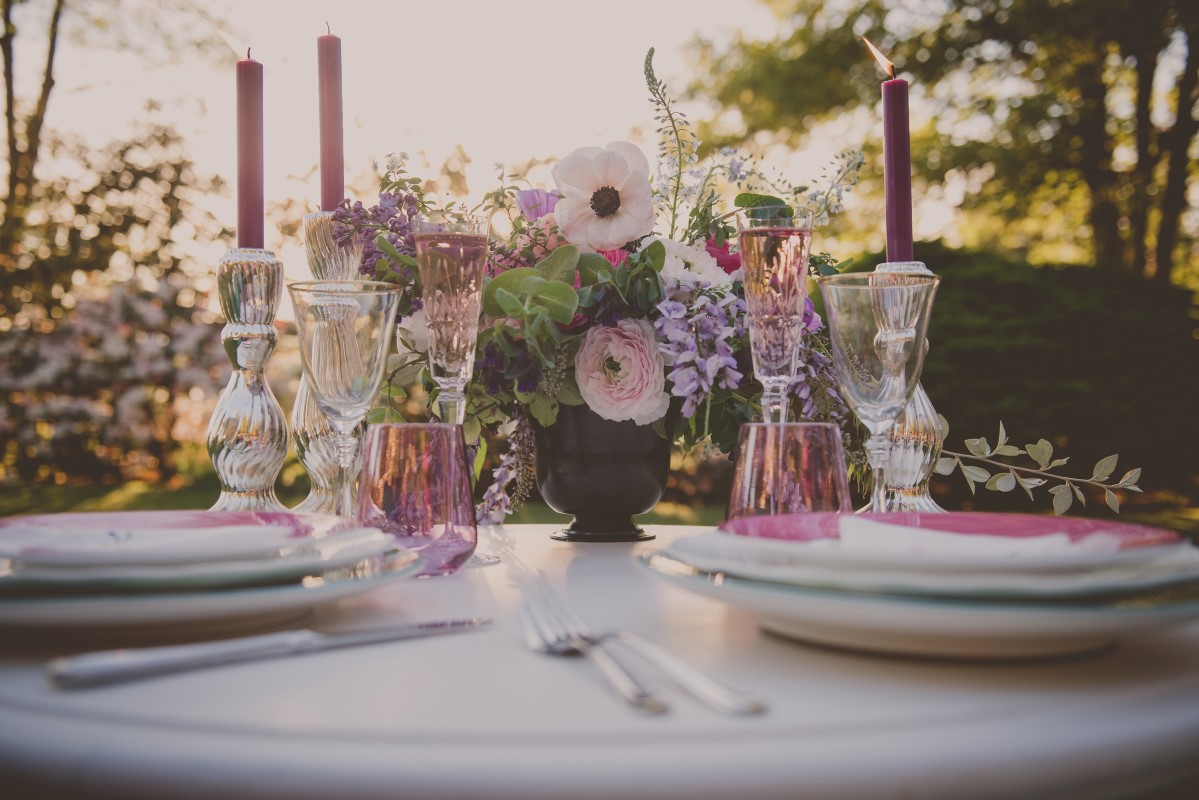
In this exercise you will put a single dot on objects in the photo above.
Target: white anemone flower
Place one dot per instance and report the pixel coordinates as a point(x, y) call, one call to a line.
point(606, 200)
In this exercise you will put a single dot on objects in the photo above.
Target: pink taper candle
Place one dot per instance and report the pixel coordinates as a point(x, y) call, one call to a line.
point(897, 162)
point(250, 205)
point(328, 52)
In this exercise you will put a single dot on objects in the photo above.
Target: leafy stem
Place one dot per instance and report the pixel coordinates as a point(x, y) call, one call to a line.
point(1011, 475)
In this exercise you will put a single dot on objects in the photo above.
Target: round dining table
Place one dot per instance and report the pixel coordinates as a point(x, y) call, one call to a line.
point(479, 714)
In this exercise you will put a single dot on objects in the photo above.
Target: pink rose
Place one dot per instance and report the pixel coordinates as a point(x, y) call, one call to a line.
point(729, 262)
point(615, 257)
point(621, 374)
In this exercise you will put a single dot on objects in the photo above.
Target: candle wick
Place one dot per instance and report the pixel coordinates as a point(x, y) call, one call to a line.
point(891, 71)
point(248, 53)
point(327, 28)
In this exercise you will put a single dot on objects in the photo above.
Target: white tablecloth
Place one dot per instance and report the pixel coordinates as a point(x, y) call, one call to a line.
point(478, 715)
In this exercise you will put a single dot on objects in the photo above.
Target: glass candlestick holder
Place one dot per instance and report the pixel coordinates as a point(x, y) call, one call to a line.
point(311, 433)
point(916, 437)
point(247, 433)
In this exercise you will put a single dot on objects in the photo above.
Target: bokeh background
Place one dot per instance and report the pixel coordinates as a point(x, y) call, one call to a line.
point(1054, 147)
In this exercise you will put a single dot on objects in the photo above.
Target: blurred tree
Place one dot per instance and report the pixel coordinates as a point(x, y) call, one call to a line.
point(105, 334)
point(1034, 99)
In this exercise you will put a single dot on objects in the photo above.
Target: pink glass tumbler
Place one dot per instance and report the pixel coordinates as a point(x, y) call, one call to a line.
point(789, 468)
point(415, 485)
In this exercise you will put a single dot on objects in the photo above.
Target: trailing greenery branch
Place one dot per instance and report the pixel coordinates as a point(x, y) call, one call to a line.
point(1010, 476)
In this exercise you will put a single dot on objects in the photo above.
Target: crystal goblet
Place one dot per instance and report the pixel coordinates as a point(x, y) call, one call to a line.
point(877, 324)
point(451, 252)
point(775, 242)
point(344, 328)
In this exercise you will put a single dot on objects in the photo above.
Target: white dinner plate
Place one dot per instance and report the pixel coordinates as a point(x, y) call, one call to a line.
point(160, 537)
point(175, 610)
point(954, 542)
point(928, 626)
point(334, 551)
point(789, 562)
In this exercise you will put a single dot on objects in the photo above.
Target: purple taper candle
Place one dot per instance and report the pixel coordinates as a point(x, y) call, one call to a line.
point(328, 50)
point(250, 205)
point(897, 162)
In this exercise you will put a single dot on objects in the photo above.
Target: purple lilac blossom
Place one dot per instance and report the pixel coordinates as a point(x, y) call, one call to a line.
point(696, 344)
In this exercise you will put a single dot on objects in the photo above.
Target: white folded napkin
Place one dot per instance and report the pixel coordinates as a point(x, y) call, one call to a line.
point(859, 534)
point(84, 539)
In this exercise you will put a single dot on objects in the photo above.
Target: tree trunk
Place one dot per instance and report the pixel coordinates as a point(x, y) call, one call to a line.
point(1095, 164)
point(1150, 43)
point(23, 160)
point(1177, 142)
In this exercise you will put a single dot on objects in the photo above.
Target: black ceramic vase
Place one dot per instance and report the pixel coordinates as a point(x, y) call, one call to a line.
point(601, 472)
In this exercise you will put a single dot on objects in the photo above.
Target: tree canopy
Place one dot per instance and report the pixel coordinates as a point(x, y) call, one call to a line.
point(1037, 105)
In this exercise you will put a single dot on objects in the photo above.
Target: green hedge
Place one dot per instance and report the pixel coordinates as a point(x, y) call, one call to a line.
point(1096, 361)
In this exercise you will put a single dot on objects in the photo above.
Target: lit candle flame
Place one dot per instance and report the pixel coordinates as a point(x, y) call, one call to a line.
point(236, 45)
point(883, 61)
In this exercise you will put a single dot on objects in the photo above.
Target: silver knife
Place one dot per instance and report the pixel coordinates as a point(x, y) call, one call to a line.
point(112, 666)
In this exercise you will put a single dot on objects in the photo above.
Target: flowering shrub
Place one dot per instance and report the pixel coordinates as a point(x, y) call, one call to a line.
point(107, 391)
point(615, 289)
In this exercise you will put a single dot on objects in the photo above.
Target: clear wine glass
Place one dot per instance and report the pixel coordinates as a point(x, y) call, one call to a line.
point(344, 328)
point(791, 468)
point(878, 323)
point(775, 242)
point(415, 485)
point(451, 252)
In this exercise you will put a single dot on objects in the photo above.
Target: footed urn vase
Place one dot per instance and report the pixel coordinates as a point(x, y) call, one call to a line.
point(600, 472)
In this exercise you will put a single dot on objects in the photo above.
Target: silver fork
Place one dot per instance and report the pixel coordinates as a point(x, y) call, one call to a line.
point(547, 631)
point(700, 685)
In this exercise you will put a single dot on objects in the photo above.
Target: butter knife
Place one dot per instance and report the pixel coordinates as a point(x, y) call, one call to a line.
point(113, 666)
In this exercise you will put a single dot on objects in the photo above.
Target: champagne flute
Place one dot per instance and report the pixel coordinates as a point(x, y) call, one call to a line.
point(878, 323)
point(451, 252)
point(344, 329)
point(775, 242)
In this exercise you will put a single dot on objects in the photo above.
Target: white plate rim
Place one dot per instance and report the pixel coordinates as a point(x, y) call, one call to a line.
point(925, 626)
point(121, 611)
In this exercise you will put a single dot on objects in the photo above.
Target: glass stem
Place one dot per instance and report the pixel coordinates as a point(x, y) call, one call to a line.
point(451, 406)
point(878, 452)
point(774, 406)
point(346, 446)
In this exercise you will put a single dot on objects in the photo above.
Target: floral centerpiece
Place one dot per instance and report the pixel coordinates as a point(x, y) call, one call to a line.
point(616, 289)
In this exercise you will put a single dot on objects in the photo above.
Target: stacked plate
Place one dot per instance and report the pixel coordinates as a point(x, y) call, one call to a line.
point(171, 568)
point(959, 584)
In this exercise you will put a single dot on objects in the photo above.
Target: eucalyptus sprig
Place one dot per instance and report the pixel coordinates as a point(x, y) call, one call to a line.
point(1009, 476)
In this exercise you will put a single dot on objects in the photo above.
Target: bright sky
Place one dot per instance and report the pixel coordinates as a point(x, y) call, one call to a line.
point(507, 80)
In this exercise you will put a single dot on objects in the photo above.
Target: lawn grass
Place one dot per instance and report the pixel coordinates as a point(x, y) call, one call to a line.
point(202, 490)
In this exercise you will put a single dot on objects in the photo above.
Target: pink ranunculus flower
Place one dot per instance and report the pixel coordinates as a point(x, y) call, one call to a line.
point(606, 196)
point(621, 374)
point(729, 262)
